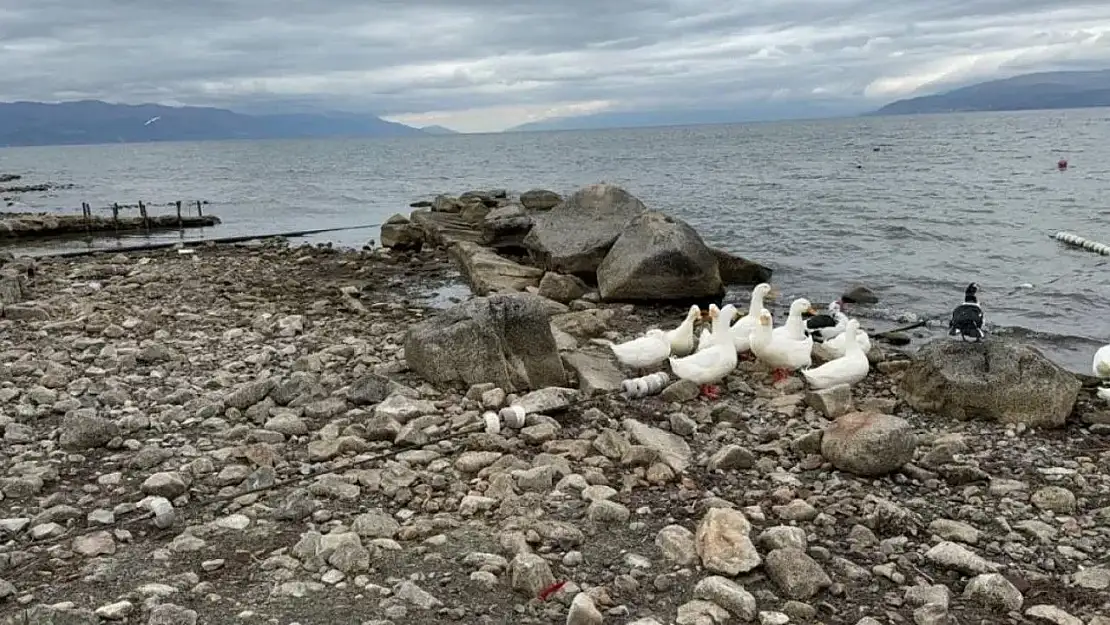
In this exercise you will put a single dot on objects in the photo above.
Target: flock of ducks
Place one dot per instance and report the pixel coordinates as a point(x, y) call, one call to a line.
point(785, 349)
point(830, 336)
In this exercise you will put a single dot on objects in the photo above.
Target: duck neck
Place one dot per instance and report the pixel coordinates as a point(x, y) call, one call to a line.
point(794, 324)
point(756, 304)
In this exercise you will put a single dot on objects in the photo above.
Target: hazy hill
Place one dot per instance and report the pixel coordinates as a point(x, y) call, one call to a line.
point(438, 130)
point(747, 112)
point(93, 121)
point(1043, 90)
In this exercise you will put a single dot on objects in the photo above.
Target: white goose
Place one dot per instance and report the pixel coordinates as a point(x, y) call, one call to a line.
point(1101, 364)
point(1101, 368)
point(682, 337)
point(849, 369)
point(787, 348)
point(643, 352)
point(834, 347)
point(742, 329)
point(710, 365)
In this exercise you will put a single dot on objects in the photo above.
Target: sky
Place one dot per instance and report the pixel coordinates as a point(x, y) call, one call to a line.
point(487, 65)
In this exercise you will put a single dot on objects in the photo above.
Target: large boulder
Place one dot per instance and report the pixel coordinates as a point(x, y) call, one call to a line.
point(574, 236)
point(501, 339)
point(401, 234)
point(658, 257)
point(995, 380)
point(737, 270)
point(505, 227)
point(486, 272)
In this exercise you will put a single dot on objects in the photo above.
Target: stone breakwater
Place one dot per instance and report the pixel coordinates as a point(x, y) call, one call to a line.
point(599, 235)
point(159, 382)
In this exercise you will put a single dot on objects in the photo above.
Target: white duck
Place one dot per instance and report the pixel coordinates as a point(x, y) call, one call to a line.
point(743, 327)
point(834, 347)
point(646, 351)
point(710, 365)
point(849, 369)
point(787, 348)
point(682, 337)
point(1101, 364)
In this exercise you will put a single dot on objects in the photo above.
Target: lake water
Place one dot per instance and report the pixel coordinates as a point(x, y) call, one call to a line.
point(945, 200)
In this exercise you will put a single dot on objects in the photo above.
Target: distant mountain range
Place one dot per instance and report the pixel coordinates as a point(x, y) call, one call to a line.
point(1043, 90)
point(93, 121)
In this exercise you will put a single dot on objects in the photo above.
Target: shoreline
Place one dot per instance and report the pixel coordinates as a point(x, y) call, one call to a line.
point(194, 376)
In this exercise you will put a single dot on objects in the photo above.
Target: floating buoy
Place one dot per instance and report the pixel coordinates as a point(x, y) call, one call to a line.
point(1077, 241)
point(1062, 164)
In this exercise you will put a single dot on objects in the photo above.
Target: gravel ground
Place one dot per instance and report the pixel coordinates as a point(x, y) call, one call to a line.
point(143, 395)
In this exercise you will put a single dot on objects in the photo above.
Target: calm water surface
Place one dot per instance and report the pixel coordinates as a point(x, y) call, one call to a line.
point(944, 201)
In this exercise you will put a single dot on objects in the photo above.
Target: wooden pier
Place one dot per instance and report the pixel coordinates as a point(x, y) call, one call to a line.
point(43, 225)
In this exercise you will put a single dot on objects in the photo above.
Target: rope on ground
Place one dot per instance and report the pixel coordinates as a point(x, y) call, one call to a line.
point(1075, 240)
point(193, 504)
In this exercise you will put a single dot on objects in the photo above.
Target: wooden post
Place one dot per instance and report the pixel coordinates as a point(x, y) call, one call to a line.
point(200, 213)
point(86, 214)
point(142, 213)
point(115, 215)
point(179, 213)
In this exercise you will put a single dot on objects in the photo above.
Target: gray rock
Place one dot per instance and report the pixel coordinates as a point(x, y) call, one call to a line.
point(1054, 499)
point(530, 574)
point(724, 544)
point(994, 591)
point(698, 612)
point(959, 531)
point(868, 443)
point(250, 393)
point(731, 457)
point(796, 574)
point(1094, 578)
point(400, 234)
point(85, 431)
point(500, 339)
point(833, 402)
point(995, 380)
point(562, 288)
point(956, 557)
point(596, 374)
point(559, 242)
point(583, 611)
point(677, 544)
point(1052, 614)
point(168, 484)
point(539, 199)
point(727, 594)
point(673, 449)
point(170, 614)
point(549, 400)
point(371, 389)
point(658, 257)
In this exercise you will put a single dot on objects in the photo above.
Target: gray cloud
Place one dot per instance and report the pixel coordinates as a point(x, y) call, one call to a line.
point(400, 57)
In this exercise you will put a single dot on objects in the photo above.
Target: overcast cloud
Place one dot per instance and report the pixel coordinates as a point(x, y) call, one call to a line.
point(478, 65)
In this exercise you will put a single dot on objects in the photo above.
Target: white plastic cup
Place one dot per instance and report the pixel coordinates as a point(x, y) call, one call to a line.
point(513, 416)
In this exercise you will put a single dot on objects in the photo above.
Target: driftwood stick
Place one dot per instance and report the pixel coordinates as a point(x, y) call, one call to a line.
point(889, 334)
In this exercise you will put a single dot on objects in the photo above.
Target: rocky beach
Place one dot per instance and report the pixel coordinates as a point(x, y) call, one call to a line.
point(276, 434)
